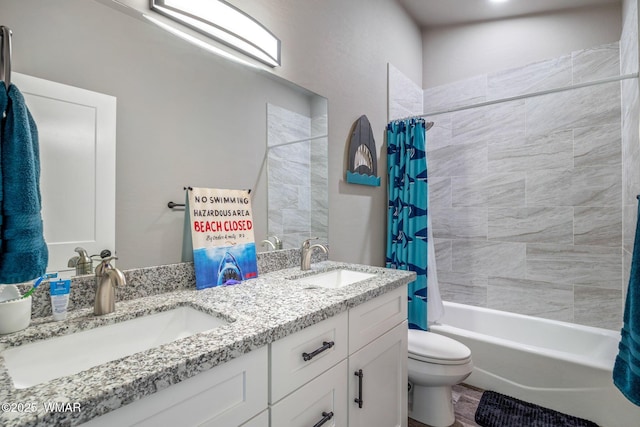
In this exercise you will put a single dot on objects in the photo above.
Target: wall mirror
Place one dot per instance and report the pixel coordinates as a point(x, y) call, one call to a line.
point(185, 117)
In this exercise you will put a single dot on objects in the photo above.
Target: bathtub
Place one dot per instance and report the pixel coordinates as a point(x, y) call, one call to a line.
point(558, 365)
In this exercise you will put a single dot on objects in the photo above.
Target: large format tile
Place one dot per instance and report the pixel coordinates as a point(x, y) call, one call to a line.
point(595, 266)
point(442, 248)
point(589, 106)
point(459, 223)
point(534, 298)
point(598, 226)
point(453, 160)
point(549, 188)
point(597, 186)
point(553, 151)
point(285, 126)
point(439, 192)
point(405, 97)
point(486, 123)
point(463, 288)
point(490, 190)
point(488, 258)
point(629, 38)
point(630, 141)
point(598, 307)
point(597, 146)
point(596, 63)
point(457, 94)
point(531, 225)
point(531, 78)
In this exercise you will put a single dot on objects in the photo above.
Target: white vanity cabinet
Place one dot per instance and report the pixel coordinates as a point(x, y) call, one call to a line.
point(227, 395)
point(370, 339)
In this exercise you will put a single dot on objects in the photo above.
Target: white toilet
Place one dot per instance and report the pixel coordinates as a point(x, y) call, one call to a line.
point(436, 363)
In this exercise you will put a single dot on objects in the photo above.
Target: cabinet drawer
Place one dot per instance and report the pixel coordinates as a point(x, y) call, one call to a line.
point(375, 317)
point(324, 344)
point(226, 395)
point(323, 397)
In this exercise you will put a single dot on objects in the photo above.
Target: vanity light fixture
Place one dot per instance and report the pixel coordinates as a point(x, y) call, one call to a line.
point(224, 23)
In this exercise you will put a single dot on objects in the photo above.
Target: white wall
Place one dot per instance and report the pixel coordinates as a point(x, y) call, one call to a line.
point(457, 52)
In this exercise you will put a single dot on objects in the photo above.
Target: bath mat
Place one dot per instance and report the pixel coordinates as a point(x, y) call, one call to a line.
point(498, 410)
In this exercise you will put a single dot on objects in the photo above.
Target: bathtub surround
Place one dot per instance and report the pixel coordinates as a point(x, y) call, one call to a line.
point(526, 174)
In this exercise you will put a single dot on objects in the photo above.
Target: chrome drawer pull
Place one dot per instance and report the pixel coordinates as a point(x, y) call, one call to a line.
point(327, 416)
point(358, 400)
point(325, 346)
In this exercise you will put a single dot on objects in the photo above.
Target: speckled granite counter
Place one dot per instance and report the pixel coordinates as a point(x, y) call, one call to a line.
point(260, 311)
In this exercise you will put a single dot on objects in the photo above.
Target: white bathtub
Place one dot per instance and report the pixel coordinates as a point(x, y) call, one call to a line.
point(559, 365)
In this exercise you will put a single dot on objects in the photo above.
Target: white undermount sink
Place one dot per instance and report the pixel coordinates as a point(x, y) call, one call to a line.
point(42, 361)
point(334, 279)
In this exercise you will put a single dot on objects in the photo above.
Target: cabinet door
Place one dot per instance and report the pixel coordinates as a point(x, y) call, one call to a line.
point(324, 398)
point(375, 317)
point(383, 385)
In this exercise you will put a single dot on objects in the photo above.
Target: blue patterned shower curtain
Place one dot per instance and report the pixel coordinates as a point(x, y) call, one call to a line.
point(407, 245)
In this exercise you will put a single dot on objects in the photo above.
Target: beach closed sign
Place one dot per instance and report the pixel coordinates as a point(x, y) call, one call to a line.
point(221, 225)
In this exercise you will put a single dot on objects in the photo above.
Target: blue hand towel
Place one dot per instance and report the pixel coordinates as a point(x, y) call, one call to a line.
point(23, 251)
point(626, 371)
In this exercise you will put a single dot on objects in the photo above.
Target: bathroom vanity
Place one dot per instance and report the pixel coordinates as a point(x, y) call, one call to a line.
point(285, 351)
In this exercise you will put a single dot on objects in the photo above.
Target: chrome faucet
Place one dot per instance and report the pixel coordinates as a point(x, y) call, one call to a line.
point(306, 250)
point(107, 278)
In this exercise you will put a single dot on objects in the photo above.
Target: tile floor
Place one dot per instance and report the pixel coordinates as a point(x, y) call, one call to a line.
point(465, 403)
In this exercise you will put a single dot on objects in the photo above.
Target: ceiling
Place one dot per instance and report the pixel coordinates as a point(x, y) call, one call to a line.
point(429, 13)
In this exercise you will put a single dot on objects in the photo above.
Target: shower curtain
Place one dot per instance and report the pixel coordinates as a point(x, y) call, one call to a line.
point(409, 235)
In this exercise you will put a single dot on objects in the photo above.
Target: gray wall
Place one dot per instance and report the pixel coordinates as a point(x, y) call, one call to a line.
point(334, 48)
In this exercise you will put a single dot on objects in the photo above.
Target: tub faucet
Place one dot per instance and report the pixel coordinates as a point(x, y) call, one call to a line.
point(107, 278)
point(306, 250)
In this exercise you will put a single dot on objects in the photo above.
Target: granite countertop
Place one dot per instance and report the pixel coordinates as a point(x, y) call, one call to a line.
point(259, 311)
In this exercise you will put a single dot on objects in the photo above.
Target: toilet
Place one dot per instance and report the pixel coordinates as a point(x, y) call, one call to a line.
point(436, 363)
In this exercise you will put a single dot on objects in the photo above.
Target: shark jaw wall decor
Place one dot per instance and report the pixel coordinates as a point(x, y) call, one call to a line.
point(362, 166)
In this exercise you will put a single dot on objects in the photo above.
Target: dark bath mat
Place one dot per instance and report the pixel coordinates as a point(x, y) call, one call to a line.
point(498, 410)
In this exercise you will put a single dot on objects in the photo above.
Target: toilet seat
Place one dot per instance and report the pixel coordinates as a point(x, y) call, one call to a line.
point(434, 348)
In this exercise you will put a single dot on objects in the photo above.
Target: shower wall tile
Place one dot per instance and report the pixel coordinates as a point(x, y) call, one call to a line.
point(629, 37)
point(629, 222)
point(542, 299)
point(598, 226)
point(549, 188)
point(597, 146)
point(296, 220)
point(589, 106)
point(453, 160)
point(596, 186)
point(598, 307)
point(488, 258)
point(459, 223)
point(463, 288)
point(539, 76)
point(531, 225)
point(553, 151)
point(506, 119)
point(502, 189)
point(405, 97)
point(441, 134)
point(626, 273)
point(596, 63)
point(440, 192)
point(457, 94)
point(443, 254)
point(630, 141)
point(594, 266)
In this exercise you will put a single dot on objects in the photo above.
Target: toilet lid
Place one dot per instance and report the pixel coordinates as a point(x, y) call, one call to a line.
point(435, 348)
